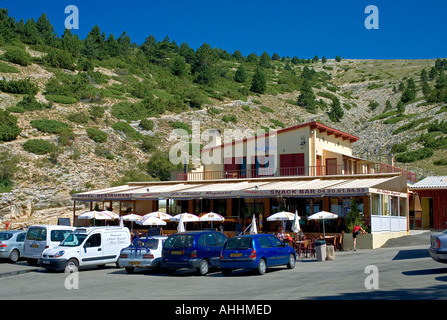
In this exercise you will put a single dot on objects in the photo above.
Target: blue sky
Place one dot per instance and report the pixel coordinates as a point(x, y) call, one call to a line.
point(407, 29)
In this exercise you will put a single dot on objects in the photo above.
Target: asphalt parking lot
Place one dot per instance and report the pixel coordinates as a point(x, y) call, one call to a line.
point(400, 270)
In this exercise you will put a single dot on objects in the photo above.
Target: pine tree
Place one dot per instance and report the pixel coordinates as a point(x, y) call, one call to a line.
point(259, 83)
point(240, 75)
point(204, 65)
point(336, 110)
point(45, 30)
point(409, 93)
point(306, 98)
point(264, 61)
point(94, 47)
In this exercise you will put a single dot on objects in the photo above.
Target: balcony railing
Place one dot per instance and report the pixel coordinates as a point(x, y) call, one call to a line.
point(294, 171)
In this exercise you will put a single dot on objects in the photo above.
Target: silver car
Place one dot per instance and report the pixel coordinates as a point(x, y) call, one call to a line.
point(142, 253)
point(438, 246)
point(11, 244)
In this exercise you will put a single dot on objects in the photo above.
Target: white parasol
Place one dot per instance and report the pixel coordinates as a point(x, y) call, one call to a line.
point(296, 222)
point(187, 217)
point(132, 218)
point(212, 216)
point(151, 221)
point(323, 215)
point(253, 228)
point(281, 216)
point(181, 225)
point(96, 215)
point(159, 215)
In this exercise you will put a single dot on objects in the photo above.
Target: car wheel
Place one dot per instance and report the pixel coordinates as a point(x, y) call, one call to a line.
point(262, 267)
point(72, 266)
point(291, 263)
point(226, 272)
point(129, 269)
point(14, 256)
point(203, 267)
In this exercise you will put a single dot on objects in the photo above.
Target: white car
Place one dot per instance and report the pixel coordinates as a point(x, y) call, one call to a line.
point(86, 247)
point(142, 253)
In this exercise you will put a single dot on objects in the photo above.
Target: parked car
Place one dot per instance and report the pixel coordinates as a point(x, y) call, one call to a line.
point(438, 246)
point(41, 237)
point(95, 246)
point(142, 253)
point(11, 245)
point(256, 251)
point(197, 249)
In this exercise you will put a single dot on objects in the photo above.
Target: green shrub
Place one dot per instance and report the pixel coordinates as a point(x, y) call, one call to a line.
point(399, 148)
point(79, 117)
point(18, 56)
point(59, 59)
point(147, 124)
point(8, 126)
point(39, 146)
point(6, 68)
point(96, 135)
point(277, 123)
point(49, 126)
point(181, 125)
point(265, 109)
point(415, 155)
point(28, 103)
point(19, 87)
point(61, 99)
point(127, 129)
point(96, 112)
point(441, 162)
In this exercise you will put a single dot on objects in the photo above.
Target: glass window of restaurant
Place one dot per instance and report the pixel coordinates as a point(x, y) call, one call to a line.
point(336, 205)
point(314, 205)
point(375, 204)
point(403, 207)
point(385, 205)
point(394, 206)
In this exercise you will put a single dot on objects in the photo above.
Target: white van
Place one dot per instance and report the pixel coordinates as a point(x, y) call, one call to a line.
point(87, 247)
point(41, 237)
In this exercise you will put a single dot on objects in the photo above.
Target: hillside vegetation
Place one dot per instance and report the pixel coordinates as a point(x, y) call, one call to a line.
point(81, 114)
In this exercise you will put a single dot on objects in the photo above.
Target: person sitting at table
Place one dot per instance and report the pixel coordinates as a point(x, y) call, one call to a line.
point(280, 234)
point(300, 236)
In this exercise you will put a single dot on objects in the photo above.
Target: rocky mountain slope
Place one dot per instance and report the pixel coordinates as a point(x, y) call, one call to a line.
point(43, 183)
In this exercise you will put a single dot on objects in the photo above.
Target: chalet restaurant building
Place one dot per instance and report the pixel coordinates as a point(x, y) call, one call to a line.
point(315, 171)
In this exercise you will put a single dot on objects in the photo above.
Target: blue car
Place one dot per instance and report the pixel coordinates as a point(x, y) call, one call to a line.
point(198, 249)
point(256, 251)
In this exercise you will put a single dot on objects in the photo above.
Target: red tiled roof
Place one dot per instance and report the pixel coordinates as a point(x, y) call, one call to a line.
point(313, 125)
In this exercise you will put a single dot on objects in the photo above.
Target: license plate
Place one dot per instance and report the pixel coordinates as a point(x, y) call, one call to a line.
point(176, 252)
point(34, 246)
point(134, 263)
point(234, 255)
point(45, 262)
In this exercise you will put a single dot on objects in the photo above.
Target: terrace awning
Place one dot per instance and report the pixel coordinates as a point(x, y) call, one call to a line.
point(250, 188)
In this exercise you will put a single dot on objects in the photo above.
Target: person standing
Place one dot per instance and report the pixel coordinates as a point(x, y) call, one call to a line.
point(355, 231)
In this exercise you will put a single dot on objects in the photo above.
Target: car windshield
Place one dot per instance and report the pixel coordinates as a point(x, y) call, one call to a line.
point(144, 242)
point(36, 234)
point(239, 243)
point(179, 241)
point(74, 240)
point(5, 236)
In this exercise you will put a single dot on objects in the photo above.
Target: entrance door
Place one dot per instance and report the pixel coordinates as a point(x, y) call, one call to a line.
point(331, 166)
point(292, 164)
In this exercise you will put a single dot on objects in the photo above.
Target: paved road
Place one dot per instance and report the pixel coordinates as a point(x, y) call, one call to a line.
point(405, 272)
